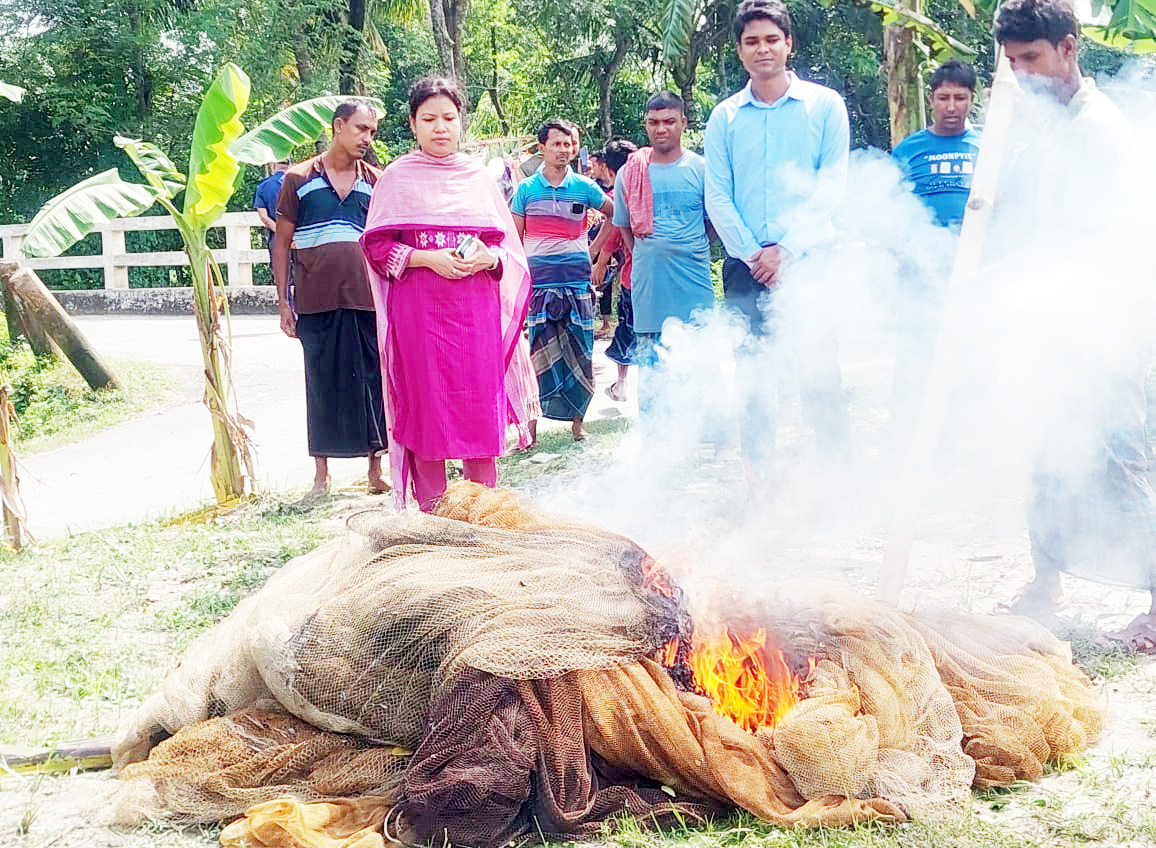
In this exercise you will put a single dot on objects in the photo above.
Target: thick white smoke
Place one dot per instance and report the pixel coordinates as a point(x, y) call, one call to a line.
point(1064, 304)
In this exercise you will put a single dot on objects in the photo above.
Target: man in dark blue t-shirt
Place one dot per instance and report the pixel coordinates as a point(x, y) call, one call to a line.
point(940, 160)
point(265, 200)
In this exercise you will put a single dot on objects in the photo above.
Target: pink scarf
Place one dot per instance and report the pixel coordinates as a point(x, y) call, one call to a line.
point(419, 191)
point(639, 198)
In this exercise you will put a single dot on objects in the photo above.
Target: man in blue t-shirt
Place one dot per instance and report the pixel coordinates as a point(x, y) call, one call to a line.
point(660, 209)
point(940, 160)
point(938, 163)
point(265, 200)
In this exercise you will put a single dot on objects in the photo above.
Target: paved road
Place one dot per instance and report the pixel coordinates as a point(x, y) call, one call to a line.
point(157, 463)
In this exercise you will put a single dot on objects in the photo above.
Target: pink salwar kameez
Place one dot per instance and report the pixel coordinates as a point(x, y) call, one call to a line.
point(446, 345)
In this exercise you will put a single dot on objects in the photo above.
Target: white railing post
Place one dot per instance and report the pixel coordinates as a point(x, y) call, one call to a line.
point(12, 248)
point(237, 239)
point(112, 248)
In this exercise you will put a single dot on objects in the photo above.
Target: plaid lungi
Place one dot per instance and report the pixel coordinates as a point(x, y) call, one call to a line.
point(561, 323)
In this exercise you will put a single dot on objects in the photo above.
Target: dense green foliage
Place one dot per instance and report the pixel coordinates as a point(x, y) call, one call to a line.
point(94, 69)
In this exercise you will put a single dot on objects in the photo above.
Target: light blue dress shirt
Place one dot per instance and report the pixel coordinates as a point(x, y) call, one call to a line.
point(776, 172)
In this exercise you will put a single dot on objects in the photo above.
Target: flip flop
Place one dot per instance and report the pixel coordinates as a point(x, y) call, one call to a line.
point(614, 395)
point(1139, 637)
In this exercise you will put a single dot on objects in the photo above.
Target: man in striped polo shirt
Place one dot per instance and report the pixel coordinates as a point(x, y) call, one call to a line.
point(550, 213)
point(321, 211)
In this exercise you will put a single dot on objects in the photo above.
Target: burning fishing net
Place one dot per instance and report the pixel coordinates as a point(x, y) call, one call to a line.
point(491, 673)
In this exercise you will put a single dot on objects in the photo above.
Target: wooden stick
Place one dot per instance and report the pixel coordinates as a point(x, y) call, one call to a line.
point(38, 302)
point(933, 410)
point(83, 755)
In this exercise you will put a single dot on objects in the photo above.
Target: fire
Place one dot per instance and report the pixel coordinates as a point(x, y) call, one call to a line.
point(747, 683)
point(655, 577)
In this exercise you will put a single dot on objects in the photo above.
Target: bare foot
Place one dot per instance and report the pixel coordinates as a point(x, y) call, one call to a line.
point(320, 487)
point(579, 431)
point(1139, 637)
point(616, 392)
point(377, 485)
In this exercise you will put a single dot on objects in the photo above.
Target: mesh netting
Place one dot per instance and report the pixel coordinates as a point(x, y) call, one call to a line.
point(1021, 702)
point(512, 657)
point(217, 769)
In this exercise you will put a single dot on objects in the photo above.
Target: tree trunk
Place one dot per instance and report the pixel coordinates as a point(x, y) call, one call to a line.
point(456, 11)
point(685, 74)
point(901, 58)
point(38, 303)
point(441, 36)
point(604, 75)
point(353, 47)
point(304, 60)
point(21, 325)
point(495, 96)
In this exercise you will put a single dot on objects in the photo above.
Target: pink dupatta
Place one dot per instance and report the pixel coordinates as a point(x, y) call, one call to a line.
point(419, 191)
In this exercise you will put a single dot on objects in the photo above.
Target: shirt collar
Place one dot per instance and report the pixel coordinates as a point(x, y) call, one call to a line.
point(570, 175)
point(1086, 90)
point(795, 91)
point(360, 166)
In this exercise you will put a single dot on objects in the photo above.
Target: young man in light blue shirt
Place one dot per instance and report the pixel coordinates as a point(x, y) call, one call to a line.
point(776, 159)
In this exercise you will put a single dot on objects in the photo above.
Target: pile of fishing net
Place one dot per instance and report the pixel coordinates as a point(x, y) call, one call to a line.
point(491, 673)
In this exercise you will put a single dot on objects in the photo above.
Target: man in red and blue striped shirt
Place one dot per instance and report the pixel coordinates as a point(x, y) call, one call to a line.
point(549, 211)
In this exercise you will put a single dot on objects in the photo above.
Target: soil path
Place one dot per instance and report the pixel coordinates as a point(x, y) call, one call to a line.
point(157, 463)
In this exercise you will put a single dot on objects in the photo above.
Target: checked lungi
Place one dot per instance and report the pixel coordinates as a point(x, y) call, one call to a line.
point(561, 322)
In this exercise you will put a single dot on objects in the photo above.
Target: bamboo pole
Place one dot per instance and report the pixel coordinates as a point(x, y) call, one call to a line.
point(933, 410)
point(81, 755)
point(38, 303)
point(13, 507)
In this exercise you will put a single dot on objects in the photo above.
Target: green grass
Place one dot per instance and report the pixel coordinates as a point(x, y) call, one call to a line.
point(959, 830)
point(92, 623)
point(54, 406)
point(520, 469)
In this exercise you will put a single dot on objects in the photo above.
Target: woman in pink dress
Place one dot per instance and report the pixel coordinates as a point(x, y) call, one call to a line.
point(451, 286)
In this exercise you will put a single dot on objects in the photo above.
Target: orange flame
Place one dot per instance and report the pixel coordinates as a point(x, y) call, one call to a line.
point(655, 576)
point(746, 683)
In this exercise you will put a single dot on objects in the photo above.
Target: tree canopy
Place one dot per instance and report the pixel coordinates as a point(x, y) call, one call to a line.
point(92, 70)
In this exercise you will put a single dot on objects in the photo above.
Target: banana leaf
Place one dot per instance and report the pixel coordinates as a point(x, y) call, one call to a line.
point(153, 164)
point(12, 92)
point(274, 139)
point(1124, 24)
point(213, 171)
point(677, 18)
point(73, 214)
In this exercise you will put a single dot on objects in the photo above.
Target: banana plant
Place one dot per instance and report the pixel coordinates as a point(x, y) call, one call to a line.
point(299, 124)
point(212, 175)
